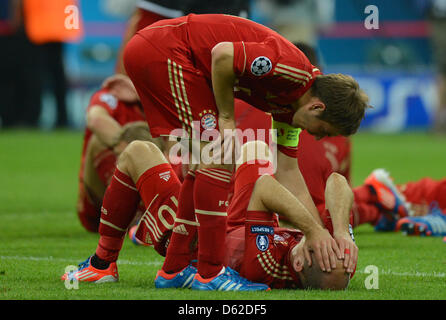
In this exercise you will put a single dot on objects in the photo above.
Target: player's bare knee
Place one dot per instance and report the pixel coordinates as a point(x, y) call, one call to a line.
point(134, 150)
point(254, 150)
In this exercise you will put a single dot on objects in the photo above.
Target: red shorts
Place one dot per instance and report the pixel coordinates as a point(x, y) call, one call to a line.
point(88, 212)
point(159, 188)
point(177, 99)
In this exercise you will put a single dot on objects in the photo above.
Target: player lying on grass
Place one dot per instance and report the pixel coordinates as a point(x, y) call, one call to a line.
point(110, 126)
point(193, 81)
point(151, 177)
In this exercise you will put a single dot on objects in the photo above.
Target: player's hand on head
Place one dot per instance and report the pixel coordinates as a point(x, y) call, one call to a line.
point(349, 250)
point(325, 249)
point(121, 87)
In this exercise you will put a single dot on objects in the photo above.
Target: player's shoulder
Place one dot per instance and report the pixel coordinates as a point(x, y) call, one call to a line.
point(103, 97)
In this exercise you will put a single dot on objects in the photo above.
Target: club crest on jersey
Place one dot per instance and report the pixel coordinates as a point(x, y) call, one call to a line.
point(208, 119)
point(262, 242)
point(261, 66)
point(165, 175)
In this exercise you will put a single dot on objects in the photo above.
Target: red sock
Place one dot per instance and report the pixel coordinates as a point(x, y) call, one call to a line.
point(159, 188)
point(119, 206)
point(182, 246)
point(210, 199)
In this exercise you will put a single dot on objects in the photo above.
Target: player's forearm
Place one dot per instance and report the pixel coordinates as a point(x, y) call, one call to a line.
point(289, 175)
point(104, 127)
point(339, 201)
point(223, 79)
point(276, 198)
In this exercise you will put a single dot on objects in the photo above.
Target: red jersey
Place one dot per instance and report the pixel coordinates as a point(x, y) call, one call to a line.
point(318, 159)
point(271, 72)
point(256, 246)
point(122, 112)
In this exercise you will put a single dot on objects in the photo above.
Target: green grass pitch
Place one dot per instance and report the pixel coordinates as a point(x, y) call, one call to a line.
point(40, 234)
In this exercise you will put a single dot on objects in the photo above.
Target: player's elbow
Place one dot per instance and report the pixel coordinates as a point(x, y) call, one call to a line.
point(222, 52)
point(95, 119)
point(337, 181)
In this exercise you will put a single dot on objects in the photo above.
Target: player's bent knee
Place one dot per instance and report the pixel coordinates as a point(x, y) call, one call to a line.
point(254, 150)
point(336, 178)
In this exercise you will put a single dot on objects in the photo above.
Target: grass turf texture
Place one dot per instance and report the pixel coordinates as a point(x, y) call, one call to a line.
point(40, 234)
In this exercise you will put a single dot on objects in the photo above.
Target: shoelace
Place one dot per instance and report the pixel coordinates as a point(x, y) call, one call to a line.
point(236, 276)
point(434, 208)
point(84, 264)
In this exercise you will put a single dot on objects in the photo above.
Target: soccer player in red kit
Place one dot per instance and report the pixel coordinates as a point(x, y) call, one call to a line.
point(104, 139)
point(263, 252)
point(148, 177)
point(184, 71)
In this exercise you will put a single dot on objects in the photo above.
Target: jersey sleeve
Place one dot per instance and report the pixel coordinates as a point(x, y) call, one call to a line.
point(105, 100)
point(274, 70)
point(254, 59)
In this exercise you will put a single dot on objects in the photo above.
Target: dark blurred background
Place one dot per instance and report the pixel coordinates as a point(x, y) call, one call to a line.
point(47, 84)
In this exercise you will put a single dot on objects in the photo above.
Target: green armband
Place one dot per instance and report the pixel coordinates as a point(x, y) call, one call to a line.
point(287, 135)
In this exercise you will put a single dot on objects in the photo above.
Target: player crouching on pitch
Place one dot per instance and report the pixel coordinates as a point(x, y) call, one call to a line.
point(279, 257)
point(142, 170)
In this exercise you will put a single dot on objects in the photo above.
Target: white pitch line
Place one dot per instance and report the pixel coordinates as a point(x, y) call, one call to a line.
point(52, 259)
point(408, 274)
point(158, 263)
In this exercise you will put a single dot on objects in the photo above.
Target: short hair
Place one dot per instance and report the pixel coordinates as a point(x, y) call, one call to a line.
point(345, 102)
point(314, 278)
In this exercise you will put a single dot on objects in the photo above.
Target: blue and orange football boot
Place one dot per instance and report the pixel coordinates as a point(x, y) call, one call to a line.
point(389, 199)
point(181, 279)
point(87, 273)
point(432, 224)
point(227, 280)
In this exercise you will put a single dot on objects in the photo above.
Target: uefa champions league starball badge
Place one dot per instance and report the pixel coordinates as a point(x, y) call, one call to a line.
point(261, 66)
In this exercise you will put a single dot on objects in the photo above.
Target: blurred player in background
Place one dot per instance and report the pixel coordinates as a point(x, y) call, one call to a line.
point(111, 126)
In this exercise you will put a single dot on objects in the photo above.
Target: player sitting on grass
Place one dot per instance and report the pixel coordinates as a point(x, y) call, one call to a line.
point(111, 126)
point(143, 173)
point(158, 187)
